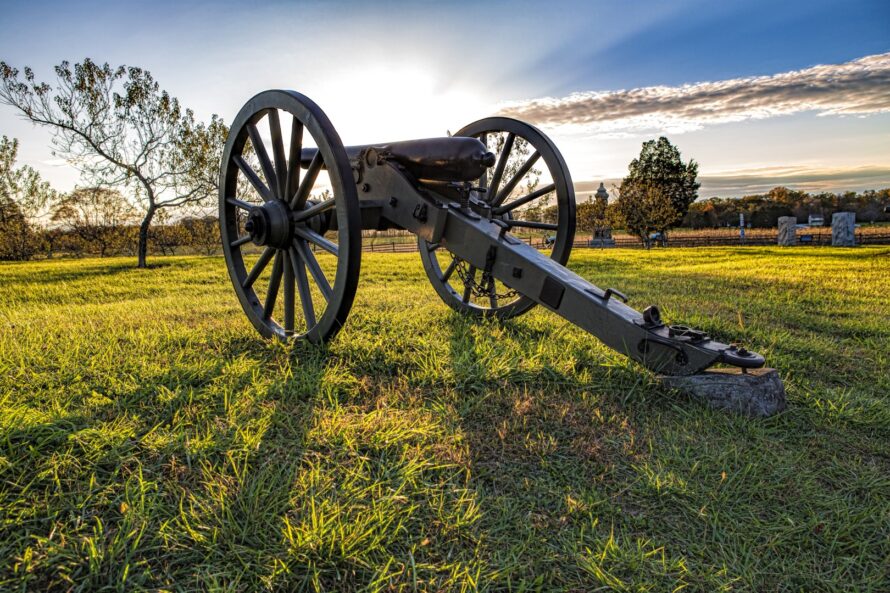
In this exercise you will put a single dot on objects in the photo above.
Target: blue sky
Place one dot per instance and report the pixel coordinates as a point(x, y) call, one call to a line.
point(387, 70)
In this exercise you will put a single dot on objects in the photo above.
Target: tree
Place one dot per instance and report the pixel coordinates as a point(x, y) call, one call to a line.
point(98, 216)
point(167, 236)
point(202, 233)
point(23, 197)
point(121, 130)
point(591, 215)
point(17, 238)
point(645, 208)
point(702, 215)
point(585, 216)
point(659, 171)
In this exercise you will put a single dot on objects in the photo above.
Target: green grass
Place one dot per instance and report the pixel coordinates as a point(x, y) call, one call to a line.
point(150, 440)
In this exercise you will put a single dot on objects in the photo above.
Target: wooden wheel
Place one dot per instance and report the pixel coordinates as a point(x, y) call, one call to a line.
point(287, 232)
point(529, 179)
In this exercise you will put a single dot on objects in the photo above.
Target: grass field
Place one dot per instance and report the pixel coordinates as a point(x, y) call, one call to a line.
point(150, 440)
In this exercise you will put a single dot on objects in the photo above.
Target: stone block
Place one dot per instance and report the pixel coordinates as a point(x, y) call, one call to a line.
point(843, 229)
point(788, 231)
point(759, 392)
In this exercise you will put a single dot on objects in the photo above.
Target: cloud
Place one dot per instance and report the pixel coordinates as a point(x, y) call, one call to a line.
point(756, 181)
point(746, 182)
point(859, 87)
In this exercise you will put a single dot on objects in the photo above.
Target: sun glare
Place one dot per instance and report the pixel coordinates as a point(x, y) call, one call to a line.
point(386, 103)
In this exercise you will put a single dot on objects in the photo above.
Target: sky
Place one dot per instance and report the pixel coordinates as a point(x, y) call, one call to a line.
point(759, 93)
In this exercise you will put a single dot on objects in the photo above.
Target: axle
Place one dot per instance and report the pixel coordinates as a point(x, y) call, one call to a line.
point(485, 244)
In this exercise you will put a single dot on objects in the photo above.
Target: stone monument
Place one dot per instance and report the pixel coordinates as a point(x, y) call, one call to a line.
point(602, 233)
point(787, 231)
point(843, 229)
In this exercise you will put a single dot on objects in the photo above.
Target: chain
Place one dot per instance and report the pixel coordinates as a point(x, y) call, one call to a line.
point(479, 289)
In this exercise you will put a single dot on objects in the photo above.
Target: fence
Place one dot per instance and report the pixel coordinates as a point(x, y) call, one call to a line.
point(678, 240)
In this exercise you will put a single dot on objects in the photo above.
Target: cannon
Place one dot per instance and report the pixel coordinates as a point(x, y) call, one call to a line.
point(294, 201)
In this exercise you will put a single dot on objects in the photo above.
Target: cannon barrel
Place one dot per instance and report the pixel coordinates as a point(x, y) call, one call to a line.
point(440, 159)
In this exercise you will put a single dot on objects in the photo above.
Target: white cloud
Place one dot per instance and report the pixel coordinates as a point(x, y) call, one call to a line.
point(859, 87)
point(744, 182)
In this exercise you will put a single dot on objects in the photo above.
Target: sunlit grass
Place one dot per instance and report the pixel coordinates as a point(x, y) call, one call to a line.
point(151, 440)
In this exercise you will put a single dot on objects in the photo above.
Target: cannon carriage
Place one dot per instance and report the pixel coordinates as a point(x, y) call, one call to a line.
point(294, 253)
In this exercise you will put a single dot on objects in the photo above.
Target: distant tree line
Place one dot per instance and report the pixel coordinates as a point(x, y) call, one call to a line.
point(764, 210)
point(38, 221)
point(190, 235)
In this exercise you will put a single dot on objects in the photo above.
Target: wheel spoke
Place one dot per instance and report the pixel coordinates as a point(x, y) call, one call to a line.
point(524, 199)
point(468, 284)
point(314, 210)
point(260, 149)
point(240, 241)
point(239, 203)
point(303, 286)
point(313, 237)
point(449, 270)
point(308, 182)
point(492, 295)
point(504, 193)
point(499, 168)
point(274, 284)
point(278, 151)
point(258, 267)
point(432, 246)
point(528, 224)
point(293, 161)
point(252, 177)
point(320, 279)
point(288, 293)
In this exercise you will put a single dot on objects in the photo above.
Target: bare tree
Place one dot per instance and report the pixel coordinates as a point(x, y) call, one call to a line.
point(121, 130)
point(98, 216)
point(23, 198)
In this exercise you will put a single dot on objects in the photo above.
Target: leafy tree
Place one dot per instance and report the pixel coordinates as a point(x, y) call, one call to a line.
point(591, 214)
point(645, 208)
point(701, 215)
point(17, 238)
point(550, 214)
point(98, 216)
point(585, 216)
point(202, 233)
point(52, 240)
point(533, 213)
point(660, 172)
point(121, 130)
point(23, 197)
point(167, 238)
point(167, 235)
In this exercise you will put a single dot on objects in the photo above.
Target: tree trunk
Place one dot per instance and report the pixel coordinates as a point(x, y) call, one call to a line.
point(142, 249)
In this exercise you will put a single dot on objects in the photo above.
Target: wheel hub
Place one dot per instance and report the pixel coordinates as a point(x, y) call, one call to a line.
point(270, 224)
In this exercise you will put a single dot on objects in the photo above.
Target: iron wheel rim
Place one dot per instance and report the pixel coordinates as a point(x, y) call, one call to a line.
point(565, 225)
point(307, 117)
